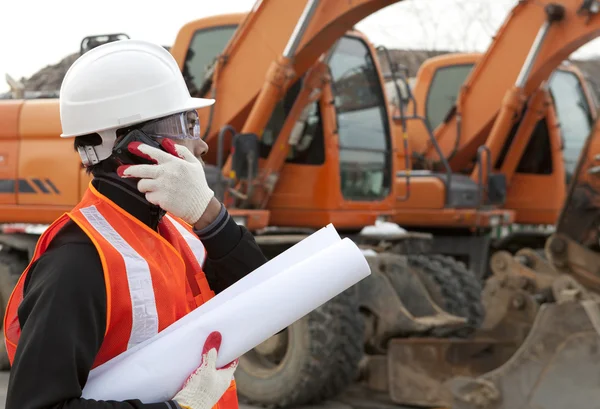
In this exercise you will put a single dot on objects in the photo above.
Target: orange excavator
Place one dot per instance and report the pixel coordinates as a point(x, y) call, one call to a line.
point(508, 77)
point(525, 144)
point(535, 161)
point(539, 345)
point(528, 342)
point(266, 371)
point(300, 137)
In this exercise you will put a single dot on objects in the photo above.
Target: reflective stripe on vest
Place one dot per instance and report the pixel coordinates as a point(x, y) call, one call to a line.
point(144, 317)
point(152, 278)
point(195, 245)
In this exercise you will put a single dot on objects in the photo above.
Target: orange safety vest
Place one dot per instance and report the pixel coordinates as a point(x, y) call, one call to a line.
point(152, 278)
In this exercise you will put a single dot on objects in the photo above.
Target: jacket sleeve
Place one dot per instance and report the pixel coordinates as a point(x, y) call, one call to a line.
point(63, 319)
point(231, 250)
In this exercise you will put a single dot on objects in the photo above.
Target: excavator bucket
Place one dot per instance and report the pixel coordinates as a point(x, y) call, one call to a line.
point(420, 367)
point(401, 304)
point(540, 338)
point(558, 365)
point(539, 345)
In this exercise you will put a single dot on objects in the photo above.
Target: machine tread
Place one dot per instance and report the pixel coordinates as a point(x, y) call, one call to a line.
point(329, 363)
point(448, 286)
point(349, 349)
point(471, 289)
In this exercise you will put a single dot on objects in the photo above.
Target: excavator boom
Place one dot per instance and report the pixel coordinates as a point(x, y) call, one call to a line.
point(534, 39)
point(273, 33)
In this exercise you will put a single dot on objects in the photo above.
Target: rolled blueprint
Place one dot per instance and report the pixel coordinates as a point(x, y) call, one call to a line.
point(249, 312)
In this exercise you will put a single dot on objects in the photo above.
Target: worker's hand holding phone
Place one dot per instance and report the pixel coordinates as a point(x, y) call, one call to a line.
point(172, 178)
point(207, 384)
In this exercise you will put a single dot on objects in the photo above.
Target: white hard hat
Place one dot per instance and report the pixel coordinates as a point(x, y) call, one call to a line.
point(119, 84)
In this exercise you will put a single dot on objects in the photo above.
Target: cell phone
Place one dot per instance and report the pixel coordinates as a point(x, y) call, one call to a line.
point(122, 154)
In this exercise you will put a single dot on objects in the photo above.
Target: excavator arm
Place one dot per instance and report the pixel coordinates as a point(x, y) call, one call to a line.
point(534, 39)
point(282, 39)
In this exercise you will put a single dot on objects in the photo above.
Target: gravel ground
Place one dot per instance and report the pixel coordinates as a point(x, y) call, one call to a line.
point(364, 403)
point(4, 386)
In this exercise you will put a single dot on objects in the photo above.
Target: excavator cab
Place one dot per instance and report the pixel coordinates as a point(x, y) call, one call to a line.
point(575, 106)
point(431, 196)
point(540, 151)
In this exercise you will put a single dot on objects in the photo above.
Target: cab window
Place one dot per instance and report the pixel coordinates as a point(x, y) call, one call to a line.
point(362, 122)
point(443, 92)
point(574, 116)
point(205, 46)
point(310, 149)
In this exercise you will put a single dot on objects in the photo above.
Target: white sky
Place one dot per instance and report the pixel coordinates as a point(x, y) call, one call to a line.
point(36, 33)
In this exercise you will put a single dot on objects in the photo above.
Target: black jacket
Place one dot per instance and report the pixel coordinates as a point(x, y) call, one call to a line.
point(63, 313)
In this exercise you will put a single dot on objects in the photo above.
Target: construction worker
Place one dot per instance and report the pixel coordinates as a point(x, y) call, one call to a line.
point(147, 243)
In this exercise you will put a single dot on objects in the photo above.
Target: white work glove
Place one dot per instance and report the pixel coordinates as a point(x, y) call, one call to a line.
point(206, 385)
point(176, 182)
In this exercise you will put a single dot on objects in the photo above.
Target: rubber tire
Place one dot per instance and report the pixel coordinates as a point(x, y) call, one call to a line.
point(11, 267)
point(471, 288)
point(455, 288)
point(325, 348)
point(349, 350)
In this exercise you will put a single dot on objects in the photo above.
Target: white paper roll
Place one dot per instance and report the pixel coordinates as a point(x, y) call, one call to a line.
point(312, 244)
point(266, 304)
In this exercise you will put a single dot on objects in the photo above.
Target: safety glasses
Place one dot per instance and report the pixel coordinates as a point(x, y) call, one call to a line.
point(184, 125)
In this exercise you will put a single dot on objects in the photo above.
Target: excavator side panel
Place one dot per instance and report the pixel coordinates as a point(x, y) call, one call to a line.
point(9, 145)
point(34, 187)
point(48, 179)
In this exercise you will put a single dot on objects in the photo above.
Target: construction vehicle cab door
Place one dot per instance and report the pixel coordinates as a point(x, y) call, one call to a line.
point(538, 188)
point(435, 90)
point(575, 109)
point(340, 171)
point(343, 158)
point(434, 186)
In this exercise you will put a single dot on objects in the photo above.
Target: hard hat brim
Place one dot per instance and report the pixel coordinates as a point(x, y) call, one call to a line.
point(192, 103)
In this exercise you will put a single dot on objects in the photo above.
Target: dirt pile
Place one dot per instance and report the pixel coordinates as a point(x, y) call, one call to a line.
point(411, 59)
point(50, 77)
